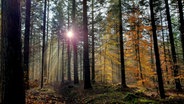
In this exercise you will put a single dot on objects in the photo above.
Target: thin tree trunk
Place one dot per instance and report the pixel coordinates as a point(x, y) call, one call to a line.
point(123, 79)
point(76, 78)
point(156, 50)
point(175, 67)
point(165, 57)
point(180, 6)
point(46, 41)
point(63, 66)
point(57, 70)
point(139, 57)
point(93, 45)
point(43, 47)
point(68, 48)
point(26, 44)
point(87, 83)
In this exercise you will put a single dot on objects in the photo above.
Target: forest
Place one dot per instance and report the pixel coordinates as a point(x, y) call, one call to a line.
point(91, 52)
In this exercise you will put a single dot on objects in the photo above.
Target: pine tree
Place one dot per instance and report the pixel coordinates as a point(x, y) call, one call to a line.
point(13, 78)
point(87, 83)
point(157, 56)
point(26, 43)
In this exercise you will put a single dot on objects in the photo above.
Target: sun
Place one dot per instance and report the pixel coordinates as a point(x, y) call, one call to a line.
point(70, 34)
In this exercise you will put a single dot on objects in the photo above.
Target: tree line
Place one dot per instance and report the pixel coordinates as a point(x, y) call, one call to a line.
point(122, 42)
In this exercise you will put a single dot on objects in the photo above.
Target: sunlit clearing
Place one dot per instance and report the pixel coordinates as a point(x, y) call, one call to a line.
point(70, 34)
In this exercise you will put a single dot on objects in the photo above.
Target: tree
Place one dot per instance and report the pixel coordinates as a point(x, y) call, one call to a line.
point(156, 50)
point(68, 47)
point(26, 43)
point(13, 81)
point(87, 83)
point(93, 45)
point(123, 80)
point(43, 47)
point(180, 7)
point(175, 67)
point(76, 78)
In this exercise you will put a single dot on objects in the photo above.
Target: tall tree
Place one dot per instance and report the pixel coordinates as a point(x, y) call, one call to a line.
point(26, 43)
point(63, 62)
point(68, 47)
point(180, 6)
point(93, 45)
point(87, 83)
point(173, 51)
point(123, 79)
point(13, 81)
point(157, 56)
point(43, 46)
point(76, 78)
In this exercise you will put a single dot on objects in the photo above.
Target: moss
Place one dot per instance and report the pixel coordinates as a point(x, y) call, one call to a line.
point(130, 97)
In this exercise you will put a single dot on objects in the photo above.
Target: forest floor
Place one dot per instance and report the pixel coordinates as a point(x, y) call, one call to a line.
point(100, 94)
point(46, 95)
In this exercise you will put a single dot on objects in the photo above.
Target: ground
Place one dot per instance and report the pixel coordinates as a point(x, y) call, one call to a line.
point(100, 94)
point(46, 95)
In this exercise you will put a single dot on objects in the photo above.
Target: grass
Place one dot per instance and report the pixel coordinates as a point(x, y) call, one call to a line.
point(104, 94)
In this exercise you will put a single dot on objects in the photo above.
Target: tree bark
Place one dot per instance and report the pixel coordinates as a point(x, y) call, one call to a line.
point(180, 7)
point(123, 79)
point(13, 77)
point(87, 83)
point(175, 67)
point(43, 47)
point(26, 43)
point(156, 50)
point(63, 65)
point(75, 55)
point(93, 45)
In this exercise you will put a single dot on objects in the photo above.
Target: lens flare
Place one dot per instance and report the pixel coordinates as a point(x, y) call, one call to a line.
point(69, 34)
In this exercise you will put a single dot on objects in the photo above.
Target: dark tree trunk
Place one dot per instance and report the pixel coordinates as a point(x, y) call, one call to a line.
point(76, 78)
point(58, 56)
point(68, 48)
point(156, 50)
point(13, 79)
point(43, 47)
point(26, 44)
point(80, 63)
point(87, 83)
point(123, 79)
point(93, 45)
point(175, 67)
point(180, 6)
point(69, 60)
point(46, 41)
point(63, 65)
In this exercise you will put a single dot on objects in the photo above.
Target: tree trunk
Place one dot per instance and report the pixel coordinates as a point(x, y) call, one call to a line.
point(26, 44)
point(93, 45)
point(68, 48)
point(63, 66)
point(123, 79)
point(58, 56)
point(87, 83)
point(139, 55)
point(175, 67)
point(43, 47)
point(13, 77)
point(180, 6)
point(164, 48)
point(156, 50)
point(76, 78)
